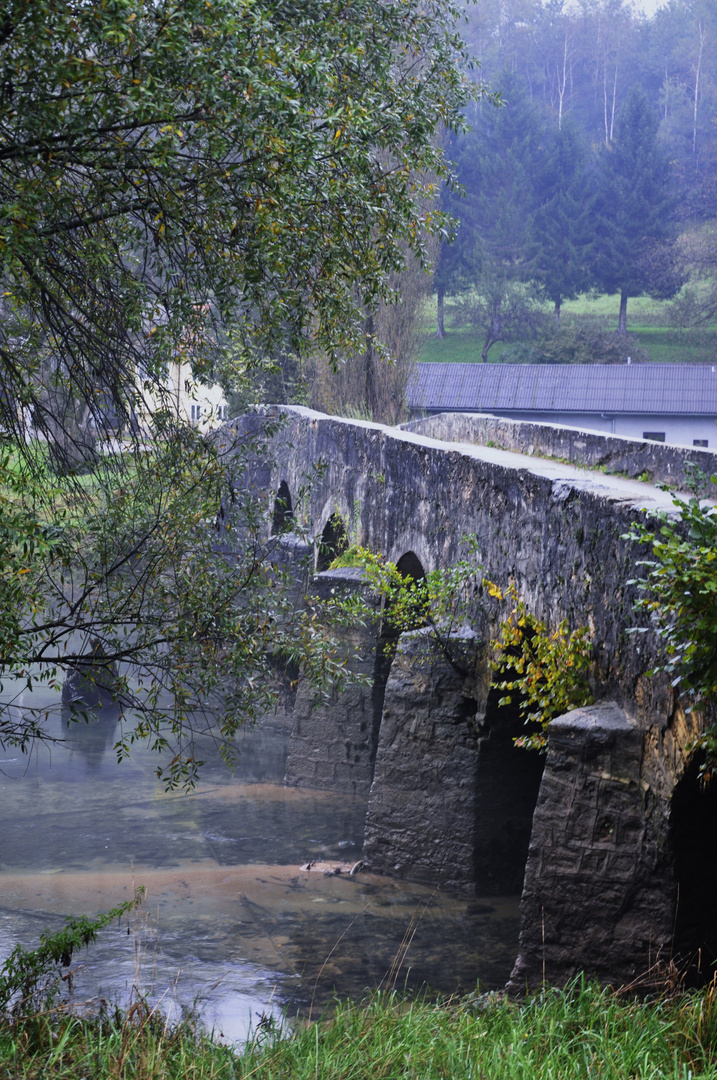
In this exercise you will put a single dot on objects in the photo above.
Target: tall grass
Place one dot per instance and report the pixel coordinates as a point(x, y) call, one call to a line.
point(583, 1032)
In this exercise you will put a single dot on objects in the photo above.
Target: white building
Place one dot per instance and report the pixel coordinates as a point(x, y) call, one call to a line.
point(674, 403)
point(202, 406)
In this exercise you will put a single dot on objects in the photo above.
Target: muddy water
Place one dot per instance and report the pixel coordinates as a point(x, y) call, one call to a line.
point(231, 925)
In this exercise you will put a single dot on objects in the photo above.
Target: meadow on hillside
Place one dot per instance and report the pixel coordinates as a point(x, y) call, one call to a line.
point(651, 331)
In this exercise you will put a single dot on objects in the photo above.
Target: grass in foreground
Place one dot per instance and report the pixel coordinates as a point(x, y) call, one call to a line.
point(558, 1035)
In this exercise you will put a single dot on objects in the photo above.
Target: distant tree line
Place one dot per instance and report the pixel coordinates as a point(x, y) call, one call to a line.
point(600, 171)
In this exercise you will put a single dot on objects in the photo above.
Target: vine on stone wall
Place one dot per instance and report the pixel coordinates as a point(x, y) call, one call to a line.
point(544, 672)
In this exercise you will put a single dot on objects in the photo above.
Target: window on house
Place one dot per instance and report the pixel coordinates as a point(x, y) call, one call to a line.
point(656, 436)
point(223, 412)
point(195, 412)
point(700, 442)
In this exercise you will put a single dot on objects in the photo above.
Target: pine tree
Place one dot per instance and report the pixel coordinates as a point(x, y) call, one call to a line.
point(633, 210)
point(496, 162)
point(561, 231)
point(458, 263)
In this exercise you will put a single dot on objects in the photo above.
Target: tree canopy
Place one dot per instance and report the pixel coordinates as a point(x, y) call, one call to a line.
point(561, 232)
point(497, 163)
point(173, 174)
point(167, 169)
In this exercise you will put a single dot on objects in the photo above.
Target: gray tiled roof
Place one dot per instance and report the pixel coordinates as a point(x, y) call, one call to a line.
point(629, 388)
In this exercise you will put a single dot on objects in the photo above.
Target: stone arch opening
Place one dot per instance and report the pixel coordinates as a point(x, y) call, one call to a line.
point(410, 566)
point(693, 840)
point(283, 516)
point(334, 541)
point(507, 782)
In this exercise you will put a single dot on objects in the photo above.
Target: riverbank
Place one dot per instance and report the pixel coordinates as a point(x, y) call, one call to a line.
point(579, 1033)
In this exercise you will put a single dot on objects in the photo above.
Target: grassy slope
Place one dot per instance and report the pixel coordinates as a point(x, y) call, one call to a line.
point(648, 322)
point(585, 1033)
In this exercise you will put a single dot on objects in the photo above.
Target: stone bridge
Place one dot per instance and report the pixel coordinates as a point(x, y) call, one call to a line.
point(610, 838)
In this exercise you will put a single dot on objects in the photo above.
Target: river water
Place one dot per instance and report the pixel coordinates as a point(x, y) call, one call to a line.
point(231, 925)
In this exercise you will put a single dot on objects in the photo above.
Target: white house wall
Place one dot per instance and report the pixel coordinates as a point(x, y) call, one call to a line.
point(202, 406)
point(679, 430)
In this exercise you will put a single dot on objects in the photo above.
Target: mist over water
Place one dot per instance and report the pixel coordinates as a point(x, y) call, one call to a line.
point(231, 925)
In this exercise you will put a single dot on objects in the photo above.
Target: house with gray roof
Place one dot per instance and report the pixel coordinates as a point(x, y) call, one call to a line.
point(674, 403)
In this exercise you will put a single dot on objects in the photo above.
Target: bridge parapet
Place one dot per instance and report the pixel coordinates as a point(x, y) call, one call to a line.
point(616, 454)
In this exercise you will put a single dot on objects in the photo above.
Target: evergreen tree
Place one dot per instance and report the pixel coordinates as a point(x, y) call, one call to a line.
point(561, 227)
point(504, 205)
point(496, 162)
point(502, 179)
point(458, 263)
point(633, 209)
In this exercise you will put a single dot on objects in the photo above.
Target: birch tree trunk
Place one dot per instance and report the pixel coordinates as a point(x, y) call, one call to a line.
point(562, 83)
point(698, 71)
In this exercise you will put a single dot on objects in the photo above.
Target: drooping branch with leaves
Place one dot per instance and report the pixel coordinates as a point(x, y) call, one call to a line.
point(175, 176)
point(172, 171)
point(135, 595)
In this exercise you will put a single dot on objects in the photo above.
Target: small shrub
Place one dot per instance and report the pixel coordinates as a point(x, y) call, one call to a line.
point(522, 352)
point(441, 601)
point(545, 671)
point(30, 978)
point(679, 594)
point(577, 345)
point(352, 557)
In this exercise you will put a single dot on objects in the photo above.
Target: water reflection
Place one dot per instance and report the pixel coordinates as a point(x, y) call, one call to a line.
point(93, 731)
point(230, 919)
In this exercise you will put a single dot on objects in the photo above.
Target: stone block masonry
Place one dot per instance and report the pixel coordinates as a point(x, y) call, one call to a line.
point(452, 798)
point(421, 811)
point(333, 743)
point(598, 895)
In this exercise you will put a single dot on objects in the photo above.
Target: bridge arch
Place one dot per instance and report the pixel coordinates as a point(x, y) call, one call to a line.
point(693, 842)
point(409, 565)
point(334, 540)
point(283, 513)
point(411, 552)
